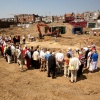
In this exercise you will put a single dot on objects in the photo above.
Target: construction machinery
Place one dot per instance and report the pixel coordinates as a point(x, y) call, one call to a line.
point(48, 30)
point(39, 30)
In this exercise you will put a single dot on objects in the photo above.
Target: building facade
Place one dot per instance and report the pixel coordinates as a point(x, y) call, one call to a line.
point(25, 18)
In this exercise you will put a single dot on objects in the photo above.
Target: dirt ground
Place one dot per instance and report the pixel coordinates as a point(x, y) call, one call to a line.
point(35, 85)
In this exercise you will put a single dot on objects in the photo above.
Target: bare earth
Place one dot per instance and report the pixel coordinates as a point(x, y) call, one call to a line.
point(35, 85)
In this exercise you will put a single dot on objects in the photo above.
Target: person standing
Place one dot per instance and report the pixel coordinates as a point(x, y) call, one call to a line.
point(43, 59)
point(20, 59)
point(94, 61)
point(51, 65)
point(23, 39)
point(74, 64)
point(59, 59)
point(83, 61)
point(70, 51)
point(28, 58)
point(19, 39)
point(13, 51)
point(32, 51)
point(23, 53)
point(29, 37)
point(48, 54)
point(89, 57)
point(5, 50)
point(35, 57)
point(14, 40)
point(8, 52)
point(66, 65)
point(86, 56)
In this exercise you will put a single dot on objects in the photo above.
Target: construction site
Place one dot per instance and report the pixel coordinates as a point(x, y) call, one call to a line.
point(35, 85)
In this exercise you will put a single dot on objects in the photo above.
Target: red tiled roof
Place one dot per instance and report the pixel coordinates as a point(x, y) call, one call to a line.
point(68, 15)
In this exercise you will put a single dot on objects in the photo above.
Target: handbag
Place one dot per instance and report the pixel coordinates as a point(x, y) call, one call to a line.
point(71, 67)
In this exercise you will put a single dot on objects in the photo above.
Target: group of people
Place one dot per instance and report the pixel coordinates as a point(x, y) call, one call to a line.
point(94, 33)
point(49, 60)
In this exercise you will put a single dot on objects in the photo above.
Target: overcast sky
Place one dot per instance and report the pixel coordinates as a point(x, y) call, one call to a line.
point(9, 8)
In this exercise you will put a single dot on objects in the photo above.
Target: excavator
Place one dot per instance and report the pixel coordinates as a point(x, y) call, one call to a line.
point(48, 31)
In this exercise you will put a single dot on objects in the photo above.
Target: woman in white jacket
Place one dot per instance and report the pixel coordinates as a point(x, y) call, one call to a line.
point(73, 67)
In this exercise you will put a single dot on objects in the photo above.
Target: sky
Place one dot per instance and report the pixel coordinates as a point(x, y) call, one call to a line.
point(9, 8)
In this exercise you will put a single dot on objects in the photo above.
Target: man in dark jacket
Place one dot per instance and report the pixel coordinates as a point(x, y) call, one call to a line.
point(8, 52)
point(51, 65)
point(32, 51)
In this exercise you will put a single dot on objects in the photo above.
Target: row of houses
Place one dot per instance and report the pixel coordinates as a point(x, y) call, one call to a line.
point(32, 18)
point(66, 18)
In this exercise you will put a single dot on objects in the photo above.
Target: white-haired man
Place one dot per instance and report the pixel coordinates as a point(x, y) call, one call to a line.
point(73, 67)
point(59, 59)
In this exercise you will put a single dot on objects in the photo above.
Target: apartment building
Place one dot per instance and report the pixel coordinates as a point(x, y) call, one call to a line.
point(25, 18)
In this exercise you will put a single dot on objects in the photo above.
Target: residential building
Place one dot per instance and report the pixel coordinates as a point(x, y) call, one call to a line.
point(69, 17)
point(47, 19)
point(25, 18)
point(61, 19)
point(55, 18)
